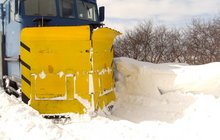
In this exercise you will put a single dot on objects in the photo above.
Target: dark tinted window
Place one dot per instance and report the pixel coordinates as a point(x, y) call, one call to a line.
point(40, 7)
point(67, 8)
point(86, 10)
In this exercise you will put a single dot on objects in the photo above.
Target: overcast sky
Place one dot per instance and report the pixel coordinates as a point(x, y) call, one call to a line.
point(124, 14)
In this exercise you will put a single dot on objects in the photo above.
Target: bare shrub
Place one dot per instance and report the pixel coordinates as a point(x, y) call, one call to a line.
point(198, 43)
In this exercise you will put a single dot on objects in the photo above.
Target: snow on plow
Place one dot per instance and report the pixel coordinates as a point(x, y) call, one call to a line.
point(67, 69)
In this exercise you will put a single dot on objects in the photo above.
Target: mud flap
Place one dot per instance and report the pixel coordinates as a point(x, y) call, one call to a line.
point(64, 70)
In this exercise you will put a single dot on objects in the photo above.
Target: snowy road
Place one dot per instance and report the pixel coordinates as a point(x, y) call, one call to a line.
point(188, 107)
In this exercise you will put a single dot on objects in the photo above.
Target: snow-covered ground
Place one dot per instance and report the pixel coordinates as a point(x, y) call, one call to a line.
point(154, 102)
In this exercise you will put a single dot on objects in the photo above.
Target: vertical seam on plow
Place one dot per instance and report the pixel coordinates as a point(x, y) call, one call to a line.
point(112, 48)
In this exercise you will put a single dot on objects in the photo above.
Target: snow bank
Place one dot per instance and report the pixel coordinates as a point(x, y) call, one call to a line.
point(161, 92)
point(155, 102)
point(19, 121)
point(144, 78)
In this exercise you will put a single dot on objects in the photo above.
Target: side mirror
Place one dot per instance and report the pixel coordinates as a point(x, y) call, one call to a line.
point(16, 7)
point(101, 14)
point(2, 12)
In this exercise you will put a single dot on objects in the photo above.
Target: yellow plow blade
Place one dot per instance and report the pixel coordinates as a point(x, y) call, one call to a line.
point(103, 66)
point(67, 69)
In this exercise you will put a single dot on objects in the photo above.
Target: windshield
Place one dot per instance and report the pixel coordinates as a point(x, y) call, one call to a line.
point(40, 7)
point(86, 10)
point(67, 9)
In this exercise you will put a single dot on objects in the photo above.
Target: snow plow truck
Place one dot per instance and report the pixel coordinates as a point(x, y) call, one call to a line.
point(57, 56)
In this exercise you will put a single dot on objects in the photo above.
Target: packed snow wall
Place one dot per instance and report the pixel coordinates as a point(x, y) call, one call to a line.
point(163, 92)
point(148, 78)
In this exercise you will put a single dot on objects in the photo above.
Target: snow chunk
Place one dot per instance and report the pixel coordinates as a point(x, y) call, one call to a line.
point(42, 75)
point(60, 74)
point(84, 102)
